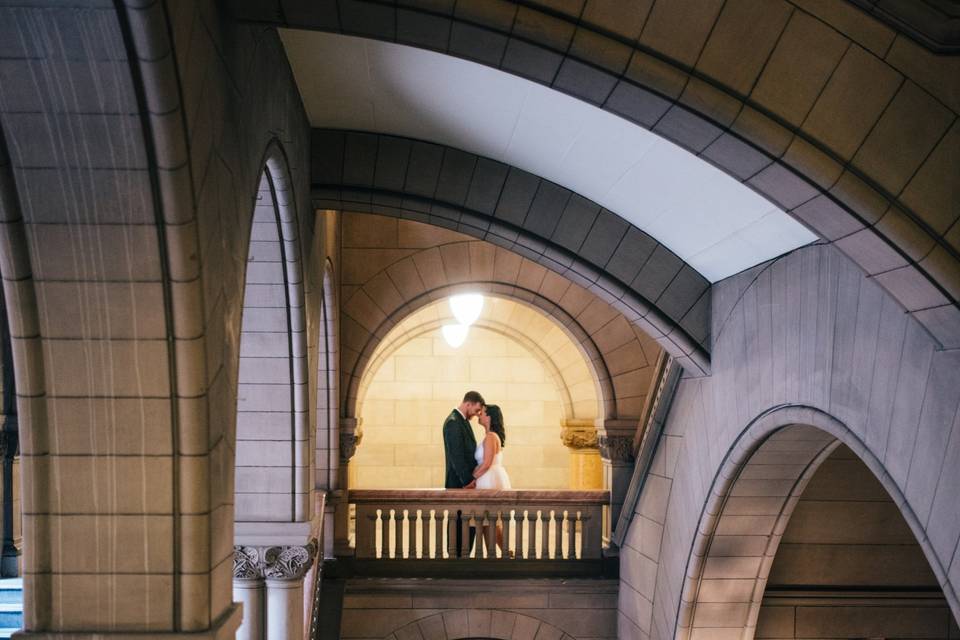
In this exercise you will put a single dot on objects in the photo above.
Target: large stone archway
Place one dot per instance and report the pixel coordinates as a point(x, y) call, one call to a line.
point(389, 280)
point(849, 363)
point(534, 218)
point(749, 507)
point(724, 81)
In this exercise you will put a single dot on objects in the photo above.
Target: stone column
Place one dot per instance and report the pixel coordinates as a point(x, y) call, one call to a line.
point(350, 437)
point(580, 436)
point(280, 569)
point(616, 451)
point(249, 593)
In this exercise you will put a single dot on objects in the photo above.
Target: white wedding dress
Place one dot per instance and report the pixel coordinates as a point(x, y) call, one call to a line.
point(496, 476)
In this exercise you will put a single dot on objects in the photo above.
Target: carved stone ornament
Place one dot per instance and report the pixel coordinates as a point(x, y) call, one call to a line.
point(277, 563)
point(348, 444)
point(579, 437)
point(616, 448)
point(350, 437)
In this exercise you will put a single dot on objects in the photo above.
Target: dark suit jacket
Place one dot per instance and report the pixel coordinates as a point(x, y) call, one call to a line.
point(459, 446)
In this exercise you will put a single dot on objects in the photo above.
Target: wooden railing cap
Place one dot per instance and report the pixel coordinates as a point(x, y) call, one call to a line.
point(473, 496)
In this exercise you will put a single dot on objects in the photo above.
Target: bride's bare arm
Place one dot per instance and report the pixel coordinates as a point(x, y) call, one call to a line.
point(490, 445)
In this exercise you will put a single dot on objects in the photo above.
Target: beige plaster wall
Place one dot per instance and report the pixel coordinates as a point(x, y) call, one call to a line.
point(417, 386)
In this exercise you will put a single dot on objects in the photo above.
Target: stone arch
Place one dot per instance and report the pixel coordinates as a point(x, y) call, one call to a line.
point(392, 288)
point(605, 392)
point(612, 259)
point(272, 397)
point(328, 395)
point(106, 319)
point(721, 80)
point(478, 623)
point(745, 536)
point(560, 380)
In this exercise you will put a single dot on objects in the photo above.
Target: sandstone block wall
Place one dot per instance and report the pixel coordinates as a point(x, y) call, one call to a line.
point(545, 609)
point(414, 391)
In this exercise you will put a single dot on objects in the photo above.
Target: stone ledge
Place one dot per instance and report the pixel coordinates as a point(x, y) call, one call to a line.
point(225, 628)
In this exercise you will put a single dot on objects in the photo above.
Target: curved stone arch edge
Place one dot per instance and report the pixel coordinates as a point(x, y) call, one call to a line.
point(529, 630)
point(758, 431)
point(588, 350)
point(496, 327)
point(275, 172)
point(329, 360)
point(821, 186)
point(640, 312)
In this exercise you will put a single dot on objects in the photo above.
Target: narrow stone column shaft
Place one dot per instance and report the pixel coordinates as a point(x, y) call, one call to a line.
point(284, 609)
point(250, 594)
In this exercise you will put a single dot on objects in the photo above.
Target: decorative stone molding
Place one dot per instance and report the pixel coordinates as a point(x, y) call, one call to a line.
point(275, 562)
point(616, 449)
point(350, 437)
point(579, 435)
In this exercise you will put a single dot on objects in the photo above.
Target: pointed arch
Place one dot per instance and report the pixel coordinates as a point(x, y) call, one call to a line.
point(273, 480)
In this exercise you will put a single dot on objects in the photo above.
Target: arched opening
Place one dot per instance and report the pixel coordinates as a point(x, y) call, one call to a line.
point(803, 539)
point(849, 566)
point(518, 357)
point(273, 460)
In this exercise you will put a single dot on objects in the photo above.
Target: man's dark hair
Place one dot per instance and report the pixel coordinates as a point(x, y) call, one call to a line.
point(473, 396)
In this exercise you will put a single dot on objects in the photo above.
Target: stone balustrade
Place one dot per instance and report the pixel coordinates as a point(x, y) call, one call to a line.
point(465, 525)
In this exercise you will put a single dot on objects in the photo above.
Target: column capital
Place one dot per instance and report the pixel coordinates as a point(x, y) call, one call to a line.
point(618, 449)
point(287, 562)
point(350, 437)
point(579, 434)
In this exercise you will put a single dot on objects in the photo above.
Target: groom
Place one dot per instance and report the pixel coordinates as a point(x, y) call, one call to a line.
point(459, 445)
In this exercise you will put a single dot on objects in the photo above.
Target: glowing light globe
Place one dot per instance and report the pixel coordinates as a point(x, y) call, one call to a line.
point(455, 334)
point(466, 307)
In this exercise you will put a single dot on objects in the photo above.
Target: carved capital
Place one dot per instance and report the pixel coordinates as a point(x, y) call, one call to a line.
point(579, 436)
point(348, 445)
point(275, 562)
point(350, 437)
point(617, 449)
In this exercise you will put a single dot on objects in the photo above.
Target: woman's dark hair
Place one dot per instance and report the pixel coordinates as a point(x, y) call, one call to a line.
point(496, 422)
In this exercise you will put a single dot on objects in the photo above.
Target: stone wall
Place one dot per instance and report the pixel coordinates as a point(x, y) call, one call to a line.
point(545, 609)
point(132, 167)
point(414, 391)
point(809, 337)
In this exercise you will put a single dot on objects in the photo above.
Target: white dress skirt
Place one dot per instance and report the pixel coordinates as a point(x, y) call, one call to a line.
point(496, 476)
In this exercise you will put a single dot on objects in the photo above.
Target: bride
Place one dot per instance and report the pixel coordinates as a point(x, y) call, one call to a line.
point(489, 472)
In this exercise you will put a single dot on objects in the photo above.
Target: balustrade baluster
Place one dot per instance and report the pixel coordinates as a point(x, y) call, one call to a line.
point(427, 526)
point(465, 550)
point(490, 535)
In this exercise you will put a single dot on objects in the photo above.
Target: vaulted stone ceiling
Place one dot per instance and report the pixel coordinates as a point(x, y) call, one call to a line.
point(716, 224)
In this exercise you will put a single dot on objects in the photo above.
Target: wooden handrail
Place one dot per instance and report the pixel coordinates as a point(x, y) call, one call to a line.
point(473, 496)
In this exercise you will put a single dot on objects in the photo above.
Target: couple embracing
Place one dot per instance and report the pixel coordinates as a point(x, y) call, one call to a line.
point(471, 465)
